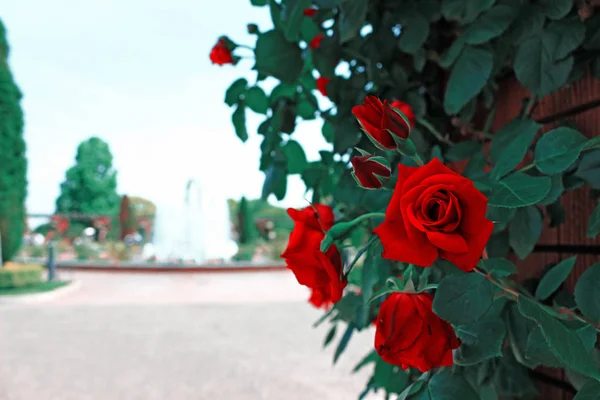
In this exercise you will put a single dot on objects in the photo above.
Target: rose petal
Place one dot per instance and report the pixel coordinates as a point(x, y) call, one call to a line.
point(450, 242)
point(476, 243)
point(397, 246)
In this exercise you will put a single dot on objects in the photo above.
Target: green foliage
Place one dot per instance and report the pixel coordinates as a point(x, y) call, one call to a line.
point(463, 298)
point(17, 276)
point(587, 292)
point(554, 278)
point(13, 166)
point(246, 224)
point(90, 185)
point(449, 60)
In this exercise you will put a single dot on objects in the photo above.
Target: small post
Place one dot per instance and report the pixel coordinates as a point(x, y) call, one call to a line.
point(51, 264)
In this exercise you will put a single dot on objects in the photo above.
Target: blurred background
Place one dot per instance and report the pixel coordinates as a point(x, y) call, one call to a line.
point(113, 288)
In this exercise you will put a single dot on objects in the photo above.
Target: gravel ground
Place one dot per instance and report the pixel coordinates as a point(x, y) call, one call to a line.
point(101, 344)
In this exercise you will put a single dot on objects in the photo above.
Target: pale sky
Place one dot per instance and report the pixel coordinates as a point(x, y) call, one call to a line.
point(136, 73)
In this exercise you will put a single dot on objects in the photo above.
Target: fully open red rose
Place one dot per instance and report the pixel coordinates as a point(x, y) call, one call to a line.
point(406, 109)
point(315, 43)
point(435, 212)
point(380, 122)
point(322, 272)
point(220, 53)
point(409, 334)
point(369, 171)
point(322, 83)
point(309, 12)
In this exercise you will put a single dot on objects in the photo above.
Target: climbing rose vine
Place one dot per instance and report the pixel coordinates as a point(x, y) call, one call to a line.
point(425, 199)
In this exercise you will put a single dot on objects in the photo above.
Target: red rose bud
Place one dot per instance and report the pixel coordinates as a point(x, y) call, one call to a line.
point(407, 110)
point(381, 123)
point(435, 212)
point(409, 334)
point(310, 12)
point(319, 299)
point(221, 52)
point(315, 43)
point(320, 271)
point(322, 83)
point(370, 172)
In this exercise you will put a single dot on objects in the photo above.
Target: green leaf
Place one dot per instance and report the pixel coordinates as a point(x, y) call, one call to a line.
point(564, 36)
point(480, 341)
point(538, 352)
point(557, 9)
point(452, 53)
point(469, 75)
point(519, 190)
point(330, 336)
point(453, 9)
point(448, 386)
point(524, 231)
point(499, 267)
point(277, 57)
point(414, 33)
point(463, 298)
point(292, 15)
point(256, 100)
point(554, 278)
point(238, 118)
point(594, 223)
point(490, 24)
point(512, 154)
point(589, 168)
point(389, 377)
point(275, 14)
point(343, 342)
point(258, 3)
point(233, 93)
point(463, 150)
point(558, 149)
point(510, 133)
point(589, 391)
point(368, 359)
point(564, 343)
point(295, 157)
point(556, 190)
point(275, 182)
point(352, 18)
point(536, 68)
point(587, 292)
point(329, 3)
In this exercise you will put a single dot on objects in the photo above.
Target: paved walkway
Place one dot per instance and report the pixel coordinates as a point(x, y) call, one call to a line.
point(175, 337)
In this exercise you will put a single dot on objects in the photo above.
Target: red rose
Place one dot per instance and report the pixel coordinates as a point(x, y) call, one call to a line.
point(322, 85)
point(310, 12)
point(409, 334)
point(406, 109)
point(435, 212)
point(315, 43)
point(320, 271)
point(220, 53)
point(370, 172)
point(380, 122)
point(319, 299)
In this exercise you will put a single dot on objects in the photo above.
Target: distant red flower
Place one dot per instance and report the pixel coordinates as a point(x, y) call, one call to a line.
point(221, 53)
point(315, 43)
point(322, 83)
point(310, 12)
point(406, 109)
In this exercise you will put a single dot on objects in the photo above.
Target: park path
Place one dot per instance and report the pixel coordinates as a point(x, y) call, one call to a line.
point(242, 336)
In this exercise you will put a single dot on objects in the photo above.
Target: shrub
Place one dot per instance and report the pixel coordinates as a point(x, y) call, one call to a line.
point(19, 275)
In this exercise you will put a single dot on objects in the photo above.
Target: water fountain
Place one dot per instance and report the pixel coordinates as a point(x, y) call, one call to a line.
point(196, 230)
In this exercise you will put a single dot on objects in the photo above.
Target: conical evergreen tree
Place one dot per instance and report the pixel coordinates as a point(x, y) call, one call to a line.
point(13, 164)
point(90, 186)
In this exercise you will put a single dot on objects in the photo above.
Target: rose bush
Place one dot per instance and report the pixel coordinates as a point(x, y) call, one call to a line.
point(409, 97)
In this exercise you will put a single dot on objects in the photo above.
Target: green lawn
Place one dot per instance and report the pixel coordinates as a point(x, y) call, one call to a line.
point(39, 288)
